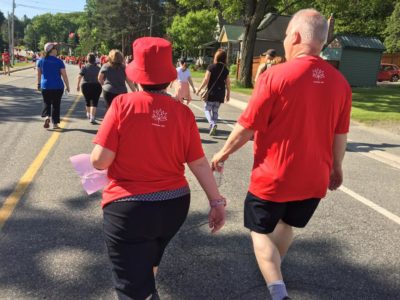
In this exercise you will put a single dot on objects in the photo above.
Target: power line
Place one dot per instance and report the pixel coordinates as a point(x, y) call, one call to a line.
point(43, 8)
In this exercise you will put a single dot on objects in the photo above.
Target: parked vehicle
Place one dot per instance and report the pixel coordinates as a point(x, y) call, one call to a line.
point(389, 72)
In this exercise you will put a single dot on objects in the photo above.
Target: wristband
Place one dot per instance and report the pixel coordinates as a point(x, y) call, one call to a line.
point(218, 202)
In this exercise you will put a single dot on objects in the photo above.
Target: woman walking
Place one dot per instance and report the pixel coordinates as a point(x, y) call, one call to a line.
point(91, 88)
point(51, 78)
point(112, 77)
point(145, 140)
point(217, 81)
point(182, 90)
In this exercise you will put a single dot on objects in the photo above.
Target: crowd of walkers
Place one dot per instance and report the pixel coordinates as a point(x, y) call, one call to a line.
point(299, 122)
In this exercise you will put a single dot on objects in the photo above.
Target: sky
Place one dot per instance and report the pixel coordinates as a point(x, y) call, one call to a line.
point(38, 7)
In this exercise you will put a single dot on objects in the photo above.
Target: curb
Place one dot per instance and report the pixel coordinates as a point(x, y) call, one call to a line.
point(21, 69)
point(13, 70)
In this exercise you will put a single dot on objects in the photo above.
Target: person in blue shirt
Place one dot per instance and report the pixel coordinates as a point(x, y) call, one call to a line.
point(51, 79)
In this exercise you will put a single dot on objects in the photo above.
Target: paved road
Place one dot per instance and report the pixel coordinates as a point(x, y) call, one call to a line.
point(51, 247)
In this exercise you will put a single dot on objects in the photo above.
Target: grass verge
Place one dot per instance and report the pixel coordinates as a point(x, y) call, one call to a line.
point(376, 105)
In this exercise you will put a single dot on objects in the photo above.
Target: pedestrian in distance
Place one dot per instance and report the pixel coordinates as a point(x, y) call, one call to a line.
point(217, 82)
point(34, 60)
point(103, 59)
point(91, 88)
point(112, 77)
point(51, 79)
point(300, 114)
point(182, 89)
point(269, 61)
point(5, 57)
point(145, 140)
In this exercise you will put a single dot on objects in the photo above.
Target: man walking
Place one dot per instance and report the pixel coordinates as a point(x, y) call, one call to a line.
point(5, 57)
point(300, 115)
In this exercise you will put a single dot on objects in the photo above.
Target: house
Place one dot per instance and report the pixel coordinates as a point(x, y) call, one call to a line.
point(270, 34)
point(356, 57)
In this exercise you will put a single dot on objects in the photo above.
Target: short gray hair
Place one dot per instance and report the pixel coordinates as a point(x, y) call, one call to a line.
point(311, 25)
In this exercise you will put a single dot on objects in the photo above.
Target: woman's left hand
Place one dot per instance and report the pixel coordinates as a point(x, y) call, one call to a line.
point(216, 218)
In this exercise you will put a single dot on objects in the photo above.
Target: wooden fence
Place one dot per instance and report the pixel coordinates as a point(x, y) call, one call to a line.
point(392, 58)
point(256, 62)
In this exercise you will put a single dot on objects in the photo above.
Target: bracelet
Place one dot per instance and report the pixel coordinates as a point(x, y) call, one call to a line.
point(218, 202)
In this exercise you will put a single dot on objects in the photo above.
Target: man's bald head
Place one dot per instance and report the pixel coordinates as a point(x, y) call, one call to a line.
point(311, 25)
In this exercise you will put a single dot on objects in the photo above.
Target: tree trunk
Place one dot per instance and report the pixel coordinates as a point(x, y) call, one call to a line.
point(255, 10)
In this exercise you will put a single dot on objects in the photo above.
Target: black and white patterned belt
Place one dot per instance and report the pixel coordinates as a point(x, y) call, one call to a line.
point(158, 196)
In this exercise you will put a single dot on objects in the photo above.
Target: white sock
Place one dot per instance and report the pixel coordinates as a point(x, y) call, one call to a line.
point(277, 289)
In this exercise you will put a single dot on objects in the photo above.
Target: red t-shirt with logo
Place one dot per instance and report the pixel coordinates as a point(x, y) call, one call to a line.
point(6, 57)
point(296, 109)
point(153, 136)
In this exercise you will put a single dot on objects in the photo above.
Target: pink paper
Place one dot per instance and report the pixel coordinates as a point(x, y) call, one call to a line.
point(92, 179)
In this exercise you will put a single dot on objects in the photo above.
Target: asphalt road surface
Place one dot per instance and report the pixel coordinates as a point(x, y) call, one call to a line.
point(51, 244)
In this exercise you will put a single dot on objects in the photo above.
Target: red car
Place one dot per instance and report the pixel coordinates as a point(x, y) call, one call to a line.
point(389, 72)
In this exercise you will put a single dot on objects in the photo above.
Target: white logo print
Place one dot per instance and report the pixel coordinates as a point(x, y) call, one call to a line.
point(319, 75)
point(159, 116)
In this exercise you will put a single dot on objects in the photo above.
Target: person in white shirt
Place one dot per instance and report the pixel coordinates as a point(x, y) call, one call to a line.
point(182, 90)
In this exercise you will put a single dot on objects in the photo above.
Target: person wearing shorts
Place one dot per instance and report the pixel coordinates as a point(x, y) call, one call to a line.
point(299, 114)
point(91, 88)
point(182, 89)
point(145, 140)
point(5, 57)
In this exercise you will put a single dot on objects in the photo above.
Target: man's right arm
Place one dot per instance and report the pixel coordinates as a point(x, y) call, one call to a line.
point(338, 151)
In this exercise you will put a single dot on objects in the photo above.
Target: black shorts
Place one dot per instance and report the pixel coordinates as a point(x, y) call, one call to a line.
point(261, 216)
point(91, 91)
point(109, 97)
point(136, 235)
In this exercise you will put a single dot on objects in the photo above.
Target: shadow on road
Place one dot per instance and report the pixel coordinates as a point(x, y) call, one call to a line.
point(26, 104)
point(366, 147)
point(47, 254)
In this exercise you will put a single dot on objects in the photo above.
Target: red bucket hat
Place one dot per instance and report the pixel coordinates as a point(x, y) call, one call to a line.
point(152, 62)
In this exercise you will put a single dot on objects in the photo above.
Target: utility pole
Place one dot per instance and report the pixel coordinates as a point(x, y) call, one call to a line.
point(151, 23)
point(12, 34)
point(9, 32)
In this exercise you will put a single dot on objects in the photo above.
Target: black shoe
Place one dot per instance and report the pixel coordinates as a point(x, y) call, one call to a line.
point(286, 298)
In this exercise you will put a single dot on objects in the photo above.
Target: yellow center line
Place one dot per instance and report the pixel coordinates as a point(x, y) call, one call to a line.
point(12, 200)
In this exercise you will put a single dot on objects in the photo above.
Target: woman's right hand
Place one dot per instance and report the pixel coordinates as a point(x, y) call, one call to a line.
point(78, 88)
point(216, 218)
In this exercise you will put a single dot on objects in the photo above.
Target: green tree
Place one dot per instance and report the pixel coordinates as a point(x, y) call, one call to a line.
point(392, 32)
point(51, 28)
point(119, 22)
point(2, 37)
point(192, 30)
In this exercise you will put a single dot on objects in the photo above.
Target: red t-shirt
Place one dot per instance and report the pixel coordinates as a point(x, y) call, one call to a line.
point(153, 136)
point(6, 57)
point(103, 59)
point(296, 109)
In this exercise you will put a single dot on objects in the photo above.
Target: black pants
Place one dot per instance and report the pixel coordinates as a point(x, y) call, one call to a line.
point(136, 234)
point(91, 91)
point(52, 103)
point(109, 97)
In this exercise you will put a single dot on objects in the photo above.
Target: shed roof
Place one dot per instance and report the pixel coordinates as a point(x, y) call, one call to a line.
point(231, 33)
point(272, 28)
point(353, 41)
point(211, 44)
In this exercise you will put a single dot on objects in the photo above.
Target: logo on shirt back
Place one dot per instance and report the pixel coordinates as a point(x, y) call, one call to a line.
point(159, 116)
point(318, 75)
